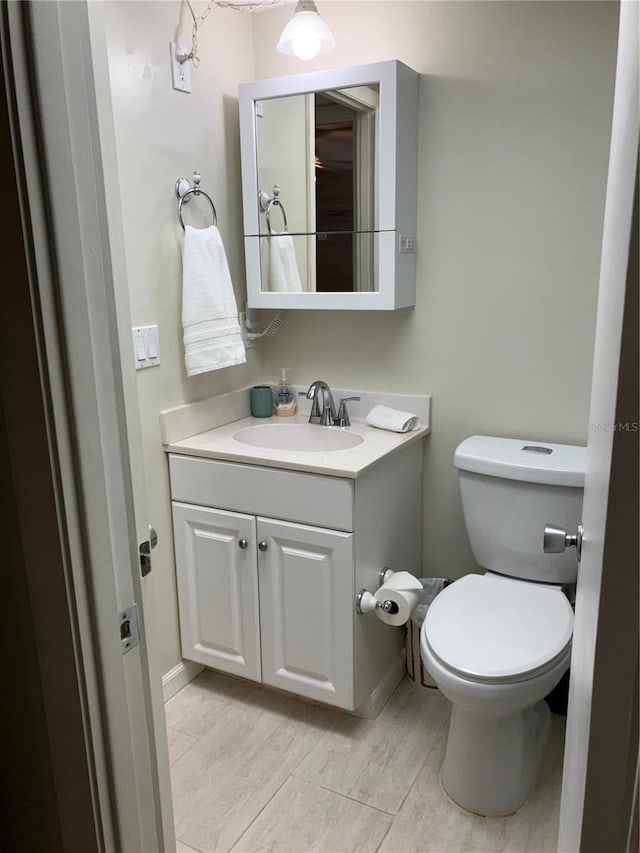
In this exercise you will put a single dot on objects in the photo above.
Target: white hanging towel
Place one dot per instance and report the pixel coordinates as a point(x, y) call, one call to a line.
point(283, 266)
point(212, 336)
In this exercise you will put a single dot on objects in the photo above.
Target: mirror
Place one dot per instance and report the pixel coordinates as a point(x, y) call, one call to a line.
point(320, 188)
point(320, 178)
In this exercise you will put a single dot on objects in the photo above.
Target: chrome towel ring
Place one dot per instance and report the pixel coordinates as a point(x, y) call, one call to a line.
point(267, 203)
point(185, 189)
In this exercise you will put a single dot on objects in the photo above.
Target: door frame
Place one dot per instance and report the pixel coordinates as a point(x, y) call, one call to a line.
point(62, 211)
point(54, 763)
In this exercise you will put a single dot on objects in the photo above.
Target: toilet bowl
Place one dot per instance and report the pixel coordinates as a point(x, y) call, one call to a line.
point(497, 643)
point(495, 647)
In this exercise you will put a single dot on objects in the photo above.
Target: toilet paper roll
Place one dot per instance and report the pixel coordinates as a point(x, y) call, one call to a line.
point(405, 591)
point(401, 580)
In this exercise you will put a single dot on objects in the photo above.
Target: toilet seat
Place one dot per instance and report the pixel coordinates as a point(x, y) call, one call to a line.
point(489, 628)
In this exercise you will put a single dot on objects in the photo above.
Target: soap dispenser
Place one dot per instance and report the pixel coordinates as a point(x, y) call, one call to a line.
point(285, 399)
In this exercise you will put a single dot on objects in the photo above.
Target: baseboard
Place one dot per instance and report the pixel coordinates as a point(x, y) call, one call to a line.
point(385, 688)
point(179, 677)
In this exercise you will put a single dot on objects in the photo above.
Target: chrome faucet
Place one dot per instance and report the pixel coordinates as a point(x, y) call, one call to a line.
point(327, 415)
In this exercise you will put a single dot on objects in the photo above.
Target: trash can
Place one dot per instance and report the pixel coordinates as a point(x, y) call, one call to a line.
point(416, 670)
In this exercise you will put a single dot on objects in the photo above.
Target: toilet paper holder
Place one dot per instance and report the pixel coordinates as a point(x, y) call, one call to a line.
point(366, 602)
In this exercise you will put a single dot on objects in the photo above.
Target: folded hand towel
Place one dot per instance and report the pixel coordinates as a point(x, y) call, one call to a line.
point(391, 419)
point(283, 267)
point(212, 336)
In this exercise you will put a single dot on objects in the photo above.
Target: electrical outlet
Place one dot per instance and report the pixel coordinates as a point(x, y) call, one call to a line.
point(180, 71)
point(407, 244)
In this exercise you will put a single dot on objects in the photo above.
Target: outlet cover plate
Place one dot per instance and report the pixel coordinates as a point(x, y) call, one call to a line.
point(180, 71)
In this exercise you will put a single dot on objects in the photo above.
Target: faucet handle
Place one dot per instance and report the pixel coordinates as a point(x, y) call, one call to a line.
point(342, 418)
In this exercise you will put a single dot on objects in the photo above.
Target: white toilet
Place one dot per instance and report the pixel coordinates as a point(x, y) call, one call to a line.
point(497, 643)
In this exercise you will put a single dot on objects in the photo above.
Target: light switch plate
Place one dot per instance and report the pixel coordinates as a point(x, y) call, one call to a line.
point(146, 346)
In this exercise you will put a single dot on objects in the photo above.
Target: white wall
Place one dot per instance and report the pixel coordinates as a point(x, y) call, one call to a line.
point(514, 121)
point(161, 135)
point(515, 111)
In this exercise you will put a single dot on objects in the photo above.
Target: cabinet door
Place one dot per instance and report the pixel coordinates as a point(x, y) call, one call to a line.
point(217, 588)
point(306, 610)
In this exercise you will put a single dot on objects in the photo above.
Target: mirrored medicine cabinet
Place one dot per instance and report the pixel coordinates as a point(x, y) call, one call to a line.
point(329, 174)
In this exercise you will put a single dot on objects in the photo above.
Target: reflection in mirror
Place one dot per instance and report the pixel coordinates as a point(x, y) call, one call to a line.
point(316, 168)
point(281, 271)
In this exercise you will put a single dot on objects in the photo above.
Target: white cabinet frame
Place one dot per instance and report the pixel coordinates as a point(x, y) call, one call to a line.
point(395, 182)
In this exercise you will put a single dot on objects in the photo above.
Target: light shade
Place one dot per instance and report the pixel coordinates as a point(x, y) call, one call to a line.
point(306, 35)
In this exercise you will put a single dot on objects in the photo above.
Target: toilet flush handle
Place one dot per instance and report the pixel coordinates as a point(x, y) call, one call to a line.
point(556, 540)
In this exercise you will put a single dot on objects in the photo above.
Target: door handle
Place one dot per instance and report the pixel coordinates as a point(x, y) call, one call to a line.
point(262, 546)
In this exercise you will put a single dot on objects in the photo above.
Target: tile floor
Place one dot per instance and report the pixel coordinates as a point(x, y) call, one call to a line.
point(253, 770)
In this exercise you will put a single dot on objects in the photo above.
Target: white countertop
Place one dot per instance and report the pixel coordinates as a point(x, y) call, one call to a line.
point(219, 443)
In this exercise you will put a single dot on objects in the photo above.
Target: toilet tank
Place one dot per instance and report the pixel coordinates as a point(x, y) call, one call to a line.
point(510, 489)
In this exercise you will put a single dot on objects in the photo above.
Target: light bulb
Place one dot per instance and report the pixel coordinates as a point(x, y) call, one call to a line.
point(306, 48)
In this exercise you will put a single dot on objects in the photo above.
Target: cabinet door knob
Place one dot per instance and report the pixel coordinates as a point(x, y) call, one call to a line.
point(262, 546)
point(243, 544)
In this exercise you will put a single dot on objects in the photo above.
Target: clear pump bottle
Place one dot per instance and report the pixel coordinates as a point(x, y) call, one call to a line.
point(285, 399)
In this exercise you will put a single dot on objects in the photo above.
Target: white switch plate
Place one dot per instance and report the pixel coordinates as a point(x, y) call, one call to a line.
point(146, 346)
point(180, 71)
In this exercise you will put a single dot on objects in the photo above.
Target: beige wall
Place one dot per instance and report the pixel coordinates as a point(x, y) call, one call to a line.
point(515, 110)
point(161, 135)
point(286, 165)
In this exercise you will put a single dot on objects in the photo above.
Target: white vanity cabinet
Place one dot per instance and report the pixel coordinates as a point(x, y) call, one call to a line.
point(268, 565)
point(266, 599)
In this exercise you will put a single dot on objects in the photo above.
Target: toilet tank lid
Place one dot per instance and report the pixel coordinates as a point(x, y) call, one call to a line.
point(525, 460)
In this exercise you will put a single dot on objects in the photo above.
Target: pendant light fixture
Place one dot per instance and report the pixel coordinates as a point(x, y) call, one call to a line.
point(306, 35)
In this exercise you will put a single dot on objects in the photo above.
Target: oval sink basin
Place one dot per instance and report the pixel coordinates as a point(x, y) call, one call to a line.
point(308, 438)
